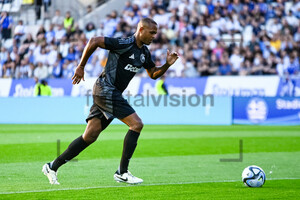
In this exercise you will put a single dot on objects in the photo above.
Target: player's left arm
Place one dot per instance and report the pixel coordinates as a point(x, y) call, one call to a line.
point(156, 72)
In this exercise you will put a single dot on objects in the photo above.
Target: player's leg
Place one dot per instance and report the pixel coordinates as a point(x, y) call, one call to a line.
point(130, 142)
point(92, 131)
point(90, 135)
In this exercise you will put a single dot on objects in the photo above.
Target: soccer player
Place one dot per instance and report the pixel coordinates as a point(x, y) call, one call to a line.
point(126, 57)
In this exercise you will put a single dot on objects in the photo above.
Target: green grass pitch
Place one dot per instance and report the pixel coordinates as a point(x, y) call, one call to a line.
point(176, 162)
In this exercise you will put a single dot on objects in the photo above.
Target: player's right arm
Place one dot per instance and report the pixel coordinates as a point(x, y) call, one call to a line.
point(118, 45)
point(89, 49)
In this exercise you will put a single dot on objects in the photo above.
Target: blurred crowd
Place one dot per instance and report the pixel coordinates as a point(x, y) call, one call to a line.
point(213, 37)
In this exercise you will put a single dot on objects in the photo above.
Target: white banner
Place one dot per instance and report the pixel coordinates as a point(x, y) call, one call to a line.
point(242, 86)
point(5, 85)
point(83, 88)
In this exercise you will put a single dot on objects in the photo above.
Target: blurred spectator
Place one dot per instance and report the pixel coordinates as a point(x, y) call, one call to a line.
point(6, 25)
point(90, 30)
point(225, 68)
point(28, 39)
point(189, 64)
point(41, 56)
point(52, 55)
point(14, 54)
point(254, 42)
point(213, 65)
point(210, 7)
point(162, 18)
point(47, 4)
point(297, 36)
point(3, 55)
point(100, 30)
point(50, 34)
point(63, 47)
point(213, 37)
point(218, 50)
point(233, 25)
point(246, 68)
point(71, 56)
point(9, 67)
point(41, 71)
point(258, 64)
point(293, 67)
point(19, 31)
point(270, 66)
point(24, 70)
point(236, 60)
point(89, 9)
point(69, 68)
point(131, 19)
point(57, 19)
point(289, 78)
point(280, 68)
point(40, 35)
point(275, 43)
point(59, 33)
point(69, 22)
point(161, 87)
point(38, 5)
point(110, 24)
point(292, 20)
point(42, 89)
point(128, 6)
point(57, 70)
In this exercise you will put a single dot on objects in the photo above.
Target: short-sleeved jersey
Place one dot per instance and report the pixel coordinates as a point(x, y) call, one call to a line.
point(125, 59)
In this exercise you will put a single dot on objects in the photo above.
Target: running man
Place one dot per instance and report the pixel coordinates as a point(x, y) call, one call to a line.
point(126, 57)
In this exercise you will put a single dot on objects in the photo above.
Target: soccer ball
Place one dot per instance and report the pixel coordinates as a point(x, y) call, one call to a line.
point(253, 176)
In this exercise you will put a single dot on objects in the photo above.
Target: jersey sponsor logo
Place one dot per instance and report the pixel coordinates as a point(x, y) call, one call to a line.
point(142, 57)
point(131, 68)
point(132, 56)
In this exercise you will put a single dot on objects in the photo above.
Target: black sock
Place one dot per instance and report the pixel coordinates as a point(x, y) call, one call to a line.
point(129, 145)
point(72, 151)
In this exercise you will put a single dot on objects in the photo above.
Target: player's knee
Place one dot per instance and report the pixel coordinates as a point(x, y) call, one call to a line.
point(137, 126)
point(91, 135)
point(89, 139)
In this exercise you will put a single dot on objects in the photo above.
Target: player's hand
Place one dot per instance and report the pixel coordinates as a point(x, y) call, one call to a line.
point(79, 74)
point(171, 57)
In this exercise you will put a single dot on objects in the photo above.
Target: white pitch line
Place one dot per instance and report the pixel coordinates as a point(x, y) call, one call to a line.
point(120, 186)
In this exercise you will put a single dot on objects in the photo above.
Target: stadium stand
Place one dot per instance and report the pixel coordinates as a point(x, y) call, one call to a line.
point(213, 37)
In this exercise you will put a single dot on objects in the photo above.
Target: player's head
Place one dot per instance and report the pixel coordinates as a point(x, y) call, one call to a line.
point(146, 30)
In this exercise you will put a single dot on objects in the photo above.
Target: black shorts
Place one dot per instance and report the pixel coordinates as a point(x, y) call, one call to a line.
point(108, 104)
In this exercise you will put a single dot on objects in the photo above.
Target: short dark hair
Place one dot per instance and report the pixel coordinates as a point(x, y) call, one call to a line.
point(148, 21)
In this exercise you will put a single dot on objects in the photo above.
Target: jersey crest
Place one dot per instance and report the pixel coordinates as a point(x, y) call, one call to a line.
point(142, 57)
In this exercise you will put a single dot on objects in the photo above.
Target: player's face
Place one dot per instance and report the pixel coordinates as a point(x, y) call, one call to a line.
point(148, 34)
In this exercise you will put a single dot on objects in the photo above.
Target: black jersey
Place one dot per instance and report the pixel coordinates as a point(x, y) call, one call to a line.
point(125, 59)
